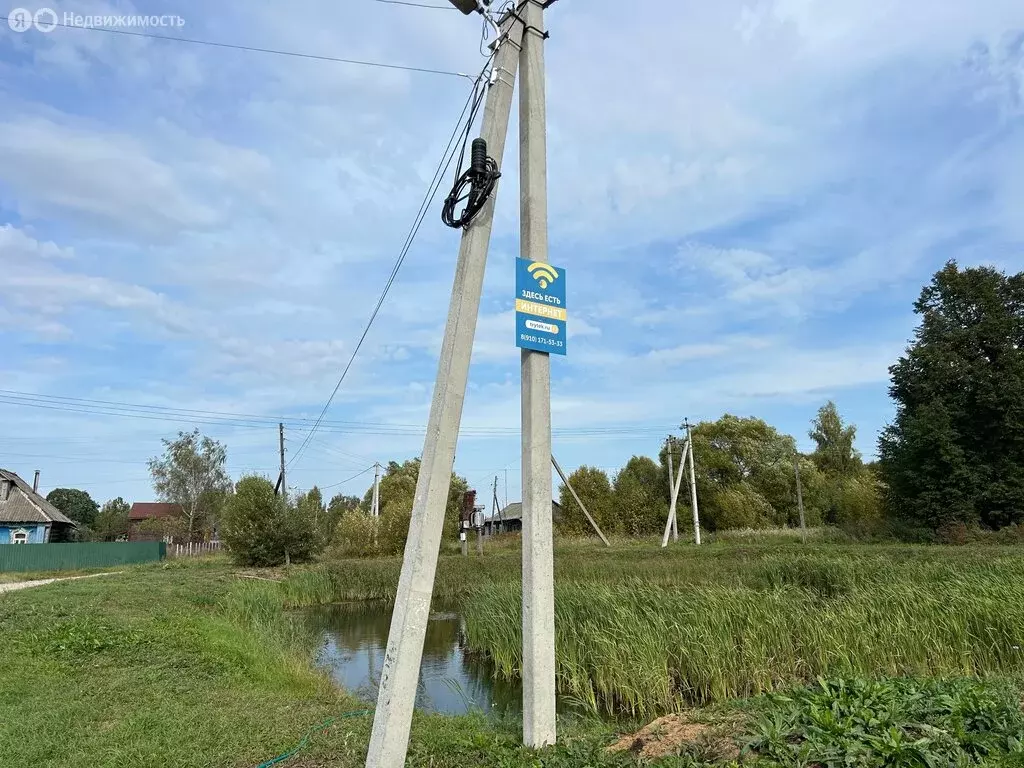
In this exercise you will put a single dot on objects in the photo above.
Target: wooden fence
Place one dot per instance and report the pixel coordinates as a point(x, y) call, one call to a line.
point(195, 549)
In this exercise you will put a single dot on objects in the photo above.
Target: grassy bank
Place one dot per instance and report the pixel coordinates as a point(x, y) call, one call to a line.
point(187, 664)
point(149, 668)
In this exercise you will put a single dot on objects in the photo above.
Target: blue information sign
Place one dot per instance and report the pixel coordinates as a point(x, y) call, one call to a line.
point(541, 316)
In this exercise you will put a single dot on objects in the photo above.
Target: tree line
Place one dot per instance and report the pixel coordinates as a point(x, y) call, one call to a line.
point(745, 476)
point(950, 462)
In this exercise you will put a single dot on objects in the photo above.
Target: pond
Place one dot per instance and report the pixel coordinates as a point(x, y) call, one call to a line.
point(355, 638)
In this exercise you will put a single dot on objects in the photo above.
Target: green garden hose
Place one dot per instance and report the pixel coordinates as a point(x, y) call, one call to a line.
point(309, 735)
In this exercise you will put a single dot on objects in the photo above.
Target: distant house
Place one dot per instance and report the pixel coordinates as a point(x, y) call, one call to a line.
point(139, 527)
point(26, 517)
point(510, 519)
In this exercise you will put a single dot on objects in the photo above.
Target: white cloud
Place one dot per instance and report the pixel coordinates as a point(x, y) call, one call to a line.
point(747, 195)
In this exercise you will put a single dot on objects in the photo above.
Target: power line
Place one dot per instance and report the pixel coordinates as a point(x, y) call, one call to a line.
point(297, 424)
point(343, 482)
point(428, 199)
point(274, 51)
point(419, 5)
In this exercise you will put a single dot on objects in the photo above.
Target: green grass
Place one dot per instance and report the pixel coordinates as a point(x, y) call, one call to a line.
point(186, 664)
point(901, 722)
point(10, 577)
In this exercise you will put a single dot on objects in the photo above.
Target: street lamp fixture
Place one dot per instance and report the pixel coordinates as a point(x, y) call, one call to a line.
point(466, 6)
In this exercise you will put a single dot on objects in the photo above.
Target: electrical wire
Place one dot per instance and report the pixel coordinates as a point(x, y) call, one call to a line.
point(419, 5)
point(428, 200)
point(274, 51)
point(295, 424)
point(475, 185)
point(344, 482)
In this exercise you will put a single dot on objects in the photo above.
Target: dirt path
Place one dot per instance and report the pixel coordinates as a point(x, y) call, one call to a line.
point(40, 582)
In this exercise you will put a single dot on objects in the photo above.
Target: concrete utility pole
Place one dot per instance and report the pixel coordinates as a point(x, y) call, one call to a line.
point(572, 490)
point(675, 517)
point(693, 487)
point(495, 507)
point(284, 484)
point(396, 697)
point(538, 545)
point(674, 485)
point(375, 503)
point(478, 521)
point(800, 499)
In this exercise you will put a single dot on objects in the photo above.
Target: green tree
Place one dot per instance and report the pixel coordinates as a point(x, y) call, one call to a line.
point(112, 521)
point(191, 474)
point(754, 462)
point(357, 534)
point(954, 453)
point(310, 506)
point(261, 529)
point(640, 506)
point(398, 491)
point(76, 504)
point(340, 504)
point(835, 454)
point(595, 491)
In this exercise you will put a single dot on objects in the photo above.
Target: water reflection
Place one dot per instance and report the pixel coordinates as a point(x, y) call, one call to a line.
point(355, 638)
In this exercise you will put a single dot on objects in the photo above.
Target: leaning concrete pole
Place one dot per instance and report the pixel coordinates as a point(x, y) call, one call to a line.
point(538, 547)
point(392, 720)
point(593, 523)
point(674, 492)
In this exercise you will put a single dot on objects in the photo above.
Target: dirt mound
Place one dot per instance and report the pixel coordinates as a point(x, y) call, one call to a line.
point(675, 734)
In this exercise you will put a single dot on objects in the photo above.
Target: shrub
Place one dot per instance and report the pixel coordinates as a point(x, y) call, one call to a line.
point(261, 530)
point(595, 490)
point(739, 507)
point(393, 529)
point(955, 534)
point(356, 535)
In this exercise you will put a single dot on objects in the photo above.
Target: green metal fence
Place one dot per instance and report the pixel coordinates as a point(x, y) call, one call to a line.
point(69, 557)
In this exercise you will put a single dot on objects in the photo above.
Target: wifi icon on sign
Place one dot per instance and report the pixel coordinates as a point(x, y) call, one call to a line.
point(544, 274)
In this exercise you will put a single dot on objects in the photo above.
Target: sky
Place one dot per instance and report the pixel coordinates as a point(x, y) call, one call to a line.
point(746, 198)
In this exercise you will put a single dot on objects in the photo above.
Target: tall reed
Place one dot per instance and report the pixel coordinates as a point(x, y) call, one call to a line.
point(641, 649)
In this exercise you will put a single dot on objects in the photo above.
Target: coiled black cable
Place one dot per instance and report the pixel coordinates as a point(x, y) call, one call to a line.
point(474, 186)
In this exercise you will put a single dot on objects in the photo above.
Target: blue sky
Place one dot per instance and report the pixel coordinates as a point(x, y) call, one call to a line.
point(747, 196)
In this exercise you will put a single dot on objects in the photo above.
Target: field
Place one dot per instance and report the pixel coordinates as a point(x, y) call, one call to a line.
point(826, 653)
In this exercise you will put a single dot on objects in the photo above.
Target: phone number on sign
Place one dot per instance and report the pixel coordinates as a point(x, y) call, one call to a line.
point(542, 340)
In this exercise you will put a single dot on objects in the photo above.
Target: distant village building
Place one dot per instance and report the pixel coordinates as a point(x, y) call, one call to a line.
point(145, 518)
point(510, 519)
point(26, 517)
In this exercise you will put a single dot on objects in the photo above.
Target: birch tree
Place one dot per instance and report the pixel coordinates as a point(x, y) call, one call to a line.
point(190, 472)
